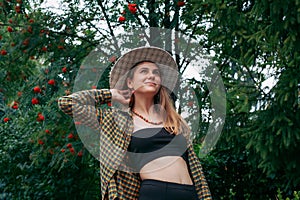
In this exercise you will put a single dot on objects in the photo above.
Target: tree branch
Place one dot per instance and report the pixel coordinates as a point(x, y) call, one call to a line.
point(109, 26)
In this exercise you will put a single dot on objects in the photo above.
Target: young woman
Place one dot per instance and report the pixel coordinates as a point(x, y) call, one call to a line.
point(145, 149)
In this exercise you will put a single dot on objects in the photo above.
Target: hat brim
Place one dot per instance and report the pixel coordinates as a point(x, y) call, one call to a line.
point(163, 59)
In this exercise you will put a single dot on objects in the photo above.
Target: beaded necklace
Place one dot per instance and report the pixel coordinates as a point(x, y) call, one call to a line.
point(146, 120)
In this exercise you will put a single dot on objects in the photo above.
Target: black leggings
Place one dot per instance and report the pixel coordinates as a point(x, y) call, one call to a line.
point(161, 190)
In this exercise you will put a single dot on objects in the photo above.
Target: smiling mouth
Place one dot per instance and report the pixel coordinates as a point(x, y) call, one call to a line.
point(150, 83)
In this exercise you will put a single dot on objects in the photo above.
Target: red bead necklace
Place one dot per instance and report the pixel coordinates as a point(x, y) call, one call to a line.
point(146, 120)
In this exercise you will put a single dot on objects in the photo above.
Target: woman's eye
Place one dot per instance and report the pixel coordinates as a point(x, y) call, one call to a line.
point(156, 72)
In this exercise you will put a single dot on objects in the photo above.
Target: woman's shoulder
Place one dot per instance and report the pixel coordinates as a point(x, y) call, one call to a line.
point(116, 115)
point(115, 121)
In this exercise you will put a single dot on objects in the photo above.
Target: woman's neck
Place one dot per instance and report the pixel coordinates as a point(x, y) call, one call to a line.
point(143, 104)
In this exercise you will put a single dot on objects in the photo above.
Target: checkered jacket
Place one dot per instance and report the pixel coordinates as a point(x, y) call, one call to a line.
point(115, 127)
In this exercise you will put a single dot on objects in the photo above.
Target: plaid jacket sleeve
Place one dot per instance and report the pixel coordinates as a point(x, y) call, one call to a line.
point(82, 106)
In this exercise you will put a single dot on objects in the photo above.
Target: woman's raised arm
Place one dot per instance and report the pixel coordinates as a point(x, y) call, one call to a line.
point(82, 105)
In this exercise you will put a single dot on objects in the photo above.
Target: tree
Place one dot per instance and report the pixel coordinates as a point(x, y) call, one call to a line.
point(254, 41)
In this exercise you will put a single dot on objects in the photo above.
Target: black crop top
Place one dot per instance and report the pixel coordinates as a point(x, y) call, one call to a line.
point(151, 143)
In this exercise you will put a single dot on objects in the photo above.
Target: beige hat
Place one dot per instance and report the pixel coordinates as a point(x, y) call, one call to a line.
point(164, 60)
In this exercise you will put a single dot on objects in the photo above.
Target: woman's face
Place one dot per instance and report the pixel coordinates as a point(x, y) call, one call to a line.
point(146, 78)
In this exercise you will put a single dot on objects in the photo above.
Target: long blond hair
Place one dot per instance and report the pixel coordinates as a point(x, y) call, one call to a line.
point(173, 122)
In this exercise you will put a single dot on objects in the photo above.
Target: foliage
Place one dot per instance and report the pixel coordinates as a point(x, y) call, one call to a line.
point(256, 42)
point(296, 195)
point(35, 162)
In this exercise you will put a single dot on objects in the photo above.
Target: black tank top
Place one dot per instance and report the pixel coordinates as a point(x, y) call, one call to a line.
point(151, 143)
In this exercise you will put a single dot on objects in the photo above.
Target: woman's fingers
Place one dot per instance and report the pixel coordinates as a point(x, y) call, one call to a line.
point(122, 96)
point(125, 101)
point(125, 93)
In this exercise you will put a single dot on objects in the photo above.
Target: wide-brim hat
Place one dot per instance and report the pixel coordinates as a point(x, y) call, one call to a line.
point(164, 60)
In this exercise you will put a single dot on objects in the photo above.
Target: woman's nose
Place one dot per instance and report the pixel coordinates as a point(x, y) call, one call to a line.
point(151, 75)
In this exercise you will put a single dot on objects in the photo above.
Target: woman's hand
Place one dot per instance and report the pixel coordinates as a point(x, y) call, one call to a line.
point(121, 96)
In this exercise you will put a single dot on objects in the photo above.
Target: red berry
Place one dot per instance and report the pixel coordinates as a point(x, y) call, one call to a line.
point(18, 9)
point(132, 8)
point(15, 106)
point(62, 150)
point(31, 21)
point(29, 29)
point(3, 52)
point(51, 82)
point(44, 49)
point(190, 103)
point(72, 150)
point(69, 145)
point(64, 69)
point(112, 59)
point(40, 117)
point(79, 154)
point(131, 5)
point(47, 131)
point(6, 119)
point(26, 42)
point(34, 101)
point(180, 3)
point(70, 136)
point(122, 19)
point(51, 151)
point(37, 89)
point(9, 29)
point(41, 142)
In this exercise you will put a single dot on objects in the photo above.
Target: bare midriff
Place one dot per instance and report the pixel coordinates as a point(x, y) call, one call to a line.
point(167, 168)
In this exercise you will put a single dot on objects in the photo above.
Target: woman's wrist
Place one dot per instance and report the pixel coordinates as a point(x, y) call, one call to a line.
point(113, 94)
point(121, 96)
